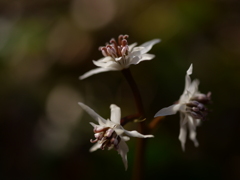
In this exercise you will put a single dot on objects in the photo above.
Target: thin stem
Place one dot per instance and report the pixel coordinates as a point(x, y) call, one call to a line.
point(153, 124)
point(138, 172)
point(138, 100)
point(129, 118)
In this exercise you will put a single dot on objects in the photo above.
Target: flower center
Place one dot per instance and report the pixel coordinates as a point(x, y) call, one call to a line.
point(196, 106)
point(116, 49)
point(107, 137)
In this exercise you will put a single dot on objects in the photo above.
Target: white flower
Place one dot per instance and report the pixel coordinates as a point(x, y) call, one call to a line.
point(109, 133)
point(191, 108)
point(119, 56)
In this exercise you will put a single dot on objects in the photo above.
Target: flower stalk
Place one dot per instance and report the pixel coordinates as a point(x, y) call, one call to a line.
point(138, 172)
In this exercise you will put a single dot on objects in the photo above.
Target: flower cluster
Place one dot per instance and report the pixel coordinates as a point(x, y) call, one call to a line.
point(109, 133)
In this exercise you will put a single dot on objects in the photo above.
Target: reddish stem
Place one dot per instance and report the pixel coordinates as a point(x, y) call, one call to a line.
point(138, 172)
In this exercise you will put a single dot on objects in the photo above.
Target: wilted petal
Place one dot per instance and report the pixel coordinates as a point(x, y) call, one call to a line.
point(115, 113)
point(95, 147)
point(168, 110)
point(123, 150)
point(148, 45)
point(92, 113)
point(96, 71)
point(137, 134)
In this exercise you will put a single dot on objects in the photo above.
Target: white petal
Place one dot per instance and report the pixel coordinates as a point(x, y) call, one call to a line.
point(192, 131)
point(188, 79)
point(95, 147)
point(190, 69)
point(125, 138)
point(193, 88)
point(123, 150)
point(135, 52)
point(102, 122)
point(131, 46)
point(92, 113)
point(148, 45)
point(183, 133)
point(137, 134)
point(168, 110)
point(109, 64)
point(133, 60)
point(93, 124)
point(119, 131)
point(105, 59)
point(115, 113)
point(95, 71)
point(143, 57)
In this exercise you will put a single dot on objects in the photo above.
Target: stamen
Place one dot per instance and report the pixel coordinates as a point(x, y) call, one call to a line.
point(124, 50)
point(119, 51)
point(120, 38)
point(109, 133)
point(116, 49)
point(197, 110)
point(114, 43)
point(125, 36)
point(99, 129)
point(124, 42)
point(93, 141)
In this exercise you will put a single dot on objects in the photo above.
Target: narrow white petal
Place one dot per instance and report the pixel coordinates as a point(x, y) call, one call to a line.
point(104, 59)
point(192, 131)
point(95, 71)
point(137, 134)
point(148, 45)
point(136, 52)
point(95, 147)
point(131, 46)
point(109, 64)
point(92, 113)
point(168, 110)
point(119, 131)
point(123, 150)
point(190, 69)
point(133, 60)
point(143, 57)
point(183, 133)
point(93, 124)
point(115, 113)
point(193, 88)
point(102, 122)
point(125, 138)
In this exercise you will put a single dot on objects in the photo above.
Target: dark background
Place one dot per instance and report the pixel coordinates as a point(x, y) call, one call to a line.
point(46, 45)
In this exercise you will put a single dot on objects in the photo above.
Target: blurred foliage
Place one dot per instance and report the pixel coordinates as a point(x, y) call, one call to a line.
point(46, 45)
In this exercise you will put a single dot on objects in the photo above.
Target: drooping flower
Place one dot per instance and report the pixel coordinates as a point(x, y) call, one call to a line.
point(118, 55)
point(109, 133)
point(191, 106)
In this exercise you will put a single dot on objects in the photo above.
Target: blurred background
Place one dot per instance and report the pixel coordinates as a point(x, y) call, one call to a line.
point(46, 45)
